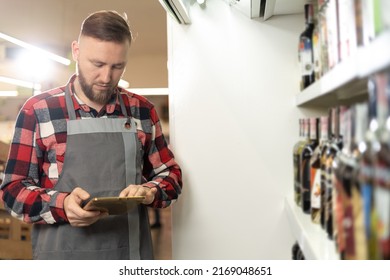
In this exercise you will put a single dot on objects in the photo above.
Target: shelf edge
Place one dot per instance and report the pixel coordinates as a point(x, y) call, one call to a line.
point(311, 237)
point(364, 62)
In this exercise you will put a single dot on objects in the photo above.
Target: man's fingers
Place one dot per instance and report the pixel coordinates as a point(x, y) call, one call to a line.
point(140, 190)
point(80, 194)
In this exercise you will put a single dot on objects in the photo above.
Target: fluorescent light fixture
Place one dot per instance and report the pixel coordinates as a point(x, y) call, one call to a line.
point(35, 49)
point(8, 93)
point(26, 84)
point(177, 10)
point(149, 91)
point(33, 65)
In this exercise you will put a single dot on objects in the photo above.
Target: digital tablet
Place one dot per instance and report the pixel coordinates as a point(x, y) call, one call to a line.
point(113, 205)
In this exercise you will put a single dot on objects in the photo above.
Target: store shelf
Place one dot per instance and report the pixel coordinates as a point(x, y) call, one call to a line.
point(347, 82)
point(311, 237)
point(375, 57)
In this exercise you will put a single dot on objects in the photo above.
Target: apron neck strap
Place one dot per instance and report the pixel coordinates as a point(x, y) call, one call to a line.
point(123, 107)
point(69, 103)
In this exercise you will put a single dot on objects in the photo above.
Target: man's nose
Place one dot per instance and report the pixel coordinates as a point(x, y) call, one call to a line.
point(106, 75)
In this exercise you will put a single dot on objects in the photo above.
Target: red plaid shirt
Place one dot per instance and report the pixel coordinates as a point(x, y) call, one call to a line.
point(39, 145)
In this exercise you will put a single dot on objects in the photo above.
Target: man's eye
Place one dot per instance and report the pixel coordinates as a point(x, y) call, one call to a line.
point(119, 67)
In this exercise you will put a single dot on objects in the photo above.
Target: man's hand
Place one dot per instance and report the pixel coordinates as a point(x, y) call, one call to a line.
point(139, 190)
point(77, 216)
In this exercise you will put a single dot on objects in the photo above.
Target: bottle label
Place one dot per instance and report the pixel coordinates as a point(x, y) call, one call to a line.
point(329, 197)
point(367, 194)
point(316, 54)
point(381, 195)
point(347, 28)
point(332, 30)
point(306, 57)
point(324, 128)
point(382, 204)
point(313, 128)
point(357, 247)
point(297, 178)
point(316, 190)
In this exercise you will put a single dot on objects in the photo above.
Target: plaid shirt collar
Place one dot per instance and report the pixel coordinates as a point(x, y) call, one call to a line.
point(112, 105)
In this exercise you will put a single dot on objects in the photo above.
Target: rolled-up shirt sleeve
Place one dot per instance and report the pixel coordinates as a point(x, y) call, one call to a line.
point(21, 190)
point(160, 167)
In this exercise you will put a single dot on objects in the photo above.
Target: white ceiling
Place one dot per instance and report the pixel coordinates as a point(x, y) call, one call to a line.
point(54, 24)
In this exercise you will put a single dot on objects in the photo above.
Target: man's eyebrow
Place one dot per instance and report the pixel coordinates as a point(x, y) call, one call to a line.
point(96, 61)
point(104, 63)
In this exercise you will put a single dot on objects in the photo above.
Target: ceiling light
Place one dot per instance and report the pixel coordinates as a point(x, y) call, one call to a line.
point(8, 93)
point(34, 66)
point(26, 84)
point(35, 49)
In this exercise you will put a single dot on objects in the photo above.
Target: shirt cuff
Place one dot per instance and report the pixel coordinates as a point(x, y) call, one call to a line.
point(58, 211)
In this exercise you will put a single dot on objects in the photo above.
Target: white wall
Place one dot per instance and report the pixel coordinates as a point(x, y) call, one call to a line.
point(233, 123)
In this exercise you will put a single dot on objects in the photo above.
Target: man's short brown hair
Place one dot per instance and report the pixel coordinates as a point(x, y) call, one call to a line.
point(106, 26)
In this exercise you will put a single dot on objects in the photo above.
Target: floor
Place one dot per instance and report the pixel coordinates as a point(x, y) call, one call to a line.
point(161, 237)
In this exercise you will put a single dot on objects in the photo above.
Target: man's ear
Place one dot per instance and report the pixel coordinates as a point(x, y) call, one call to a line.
point(75, 50)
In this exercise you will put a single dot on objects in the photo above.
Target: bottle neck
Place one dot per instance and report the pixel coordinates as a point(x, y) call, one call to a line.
point(336, 124)
point(382, 100)
point(346, 128)
point(360, 122)
point(372, 100)
point(372, 111)
point(306, 128)
point(324, 128)
point(301, 129)
point(330, 125)
point(313, 129)
point(309, 14)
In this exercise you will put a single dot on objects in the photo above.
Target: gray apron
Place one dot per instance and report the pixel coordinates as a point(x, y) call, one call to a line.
point(103, 156)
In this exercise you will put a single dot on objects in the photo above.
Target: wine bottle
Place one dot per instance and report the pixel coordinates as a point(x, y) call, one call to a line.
point(347, 28)
point(306, 155)
point(315, 164)
point(296, 252)
point(333, 149)
point(366, 173)
point(333, 33)
point(316, 39)
point(305, 49)
point(296, 162)
point(342, 176)
point(297, 150)
point(381, 180)
point(356, 243)
point(326, 130)
point(322, 24)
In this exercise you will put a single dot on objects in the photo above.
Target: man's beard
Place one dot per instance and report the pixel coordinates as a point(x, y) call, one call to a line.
point(101, 97)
